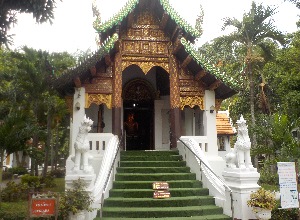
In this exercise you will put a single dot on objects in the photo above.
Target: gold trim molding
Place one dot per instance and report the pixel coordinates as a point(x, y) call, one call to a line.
point(98, 99)
point(145, 66)
point(192, 102)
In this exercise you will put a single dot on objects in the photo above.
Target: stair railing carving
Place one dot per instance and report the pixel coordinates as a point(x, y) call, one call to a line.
point(107, 171)
point(205, 168)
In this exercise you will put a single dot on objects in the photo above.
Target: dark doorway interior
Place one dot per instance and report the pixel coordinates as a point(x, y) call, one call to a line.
point(138, 123)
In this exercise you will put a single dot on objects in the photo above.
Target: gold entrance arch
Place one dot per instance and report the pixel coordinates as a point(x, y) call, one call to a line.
point(139, 90)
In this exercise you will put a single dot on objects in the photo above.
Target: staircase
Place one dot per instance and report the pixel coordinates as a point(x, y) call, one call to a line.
point(132, 193)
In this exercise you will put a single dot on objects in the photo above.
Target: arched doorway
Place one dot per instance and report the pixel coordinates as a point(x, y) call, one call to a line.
point(138, 104)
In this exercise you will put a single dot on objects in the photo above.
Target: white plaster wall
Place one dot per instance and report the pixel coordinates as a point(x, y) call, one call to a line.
point(92, 113)
point(107, 120)
point(209, 122)
point(189, 122)
point(162, 123)
point(158, 123)
point(165, 114)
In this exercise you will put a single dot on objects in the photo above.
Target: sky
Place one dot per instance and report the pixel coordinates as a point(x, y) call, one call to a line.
point(72, 28)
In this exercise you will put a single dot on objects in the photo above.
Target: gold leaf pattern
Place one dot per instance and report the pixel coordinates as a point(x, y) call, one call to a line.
point(98, 99)
point(192, 102)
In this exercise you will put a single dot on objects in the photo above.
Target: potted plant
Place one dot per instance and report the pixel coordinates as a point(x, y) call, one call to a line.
point(263, 202)
point(75, 202)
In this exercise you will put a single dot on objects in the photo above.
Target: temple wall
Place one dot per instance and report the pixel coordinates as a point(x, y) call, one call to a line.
point(162, 123)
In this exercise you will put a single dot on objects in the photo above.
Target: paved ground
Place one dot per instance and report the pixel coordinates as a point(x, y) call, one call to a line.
point(3, 184)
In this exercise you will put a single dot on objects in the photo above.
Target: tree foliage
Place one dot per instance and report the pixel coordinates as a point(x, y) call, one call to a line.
point(283, 78)
point(252, 33)
point(42, 11)
point(23, 87)
point(275, 80)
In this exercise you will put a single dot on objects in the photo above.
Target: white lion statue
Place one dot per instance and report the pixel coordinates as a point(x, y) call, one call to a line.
point(82, 147)
point(239, 156)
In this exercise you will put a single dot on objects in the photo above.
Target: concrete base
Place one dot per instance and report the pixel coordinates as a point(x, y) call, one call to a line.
point(242, 184)
point(88, 178)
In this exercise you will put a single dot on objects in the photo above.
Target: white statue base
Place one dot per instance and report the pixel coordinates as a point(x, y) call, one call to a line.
point(242, 183)
point(89, 179)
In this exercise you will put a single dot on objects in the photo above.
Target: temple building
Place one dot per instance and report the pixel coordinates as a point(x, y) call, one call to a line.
point(148, 83)
point(146, 68)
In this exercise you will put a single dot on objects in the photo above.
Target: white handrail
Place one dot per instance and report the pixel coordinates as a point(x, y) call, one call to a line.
point(214, 179)
point(105, 168)
point(205, 166)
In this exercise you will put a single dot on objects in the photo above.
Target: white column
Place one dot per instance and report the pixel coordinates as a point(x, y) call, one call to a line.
point(209, 123)
point(158, 104)
point(78, 115)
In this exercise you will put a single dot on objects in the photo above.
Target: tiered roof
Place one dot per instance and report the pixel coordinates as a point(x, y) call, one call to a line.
point(224, 127)
point(66, 79)
point(130, 6)
point(175, 25)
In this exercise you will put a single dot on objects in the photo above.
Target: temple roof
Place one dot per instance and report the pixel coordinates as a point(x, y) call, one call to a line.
point(65, 82)
point(182, 37)
point(158, 5)
point(224, 127)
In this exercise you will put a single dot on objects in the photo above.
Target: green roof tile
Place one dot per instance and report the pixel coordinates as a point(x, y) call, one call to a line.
point(205, 64)
point(131, 5)
point(118, 17)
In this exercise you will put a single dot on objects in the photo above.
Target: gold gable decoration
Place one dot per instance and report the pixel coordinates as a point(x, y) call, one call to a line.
point(98, 99)
point(139, 90)
point(192, 102)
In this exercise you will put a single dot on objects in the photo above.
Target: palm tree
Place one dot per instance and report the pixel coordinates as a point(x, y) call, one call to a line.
point(253, 31)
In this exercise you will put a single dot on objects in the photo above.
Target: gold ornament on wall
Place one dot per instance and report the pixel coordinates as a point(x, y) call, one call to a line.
point(145, 66)
point(98, 99)
point(192, 102)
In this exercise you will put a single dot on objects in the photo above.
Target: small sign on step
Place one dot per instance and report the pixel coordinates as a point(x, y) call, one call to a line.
point(164, 194)
point(160, 185)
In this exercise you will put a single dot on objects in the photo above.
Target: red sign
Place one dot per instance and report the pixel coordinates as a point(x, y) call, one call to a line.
point(161, 194)
point(160, 185)
point(43, 206)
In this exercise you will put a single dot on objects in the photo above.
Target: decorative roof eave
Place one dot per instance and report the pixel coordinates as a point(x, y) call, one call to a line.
point(67, 77)
point(180, 21)
point(129, 7)
point(224, 126)
point(202, 61)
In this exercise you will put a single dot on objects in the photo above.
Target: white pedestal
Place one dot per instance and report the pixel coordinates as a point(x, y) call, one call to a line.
point(88, 178)
point(242, 184)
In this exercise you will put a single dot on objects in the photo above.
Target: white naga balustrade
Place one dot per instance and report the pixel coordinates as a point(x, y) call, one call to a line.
point(196, 161)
